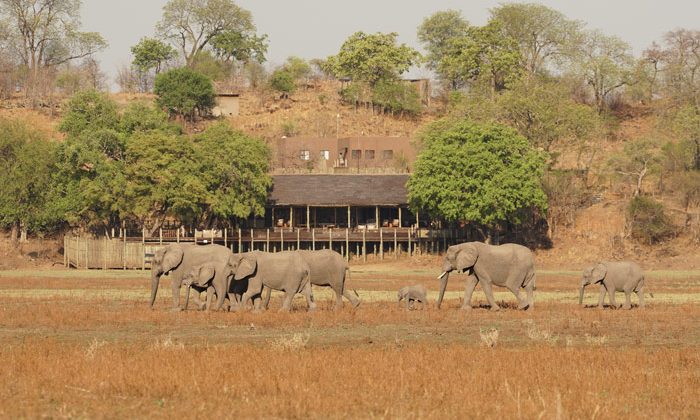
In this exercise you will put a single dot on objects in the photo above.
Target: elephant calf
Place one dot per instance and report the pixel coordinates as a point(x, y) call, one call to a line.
point(623, 276)
point(412, 294)
point(200, 278)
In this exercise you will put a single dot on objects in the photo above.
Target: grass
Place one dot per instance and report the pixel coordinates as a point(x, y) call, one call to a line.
point(86, 344)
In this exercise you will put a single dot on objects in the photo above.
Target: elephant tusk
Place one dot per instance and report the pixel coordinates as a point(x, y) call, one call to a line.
point(444, 273)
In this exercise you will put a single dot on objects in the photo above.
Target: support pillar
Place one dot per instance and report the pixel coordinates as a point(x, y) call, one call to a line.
point(347, 243)
point(308, 217)
point(400, 222)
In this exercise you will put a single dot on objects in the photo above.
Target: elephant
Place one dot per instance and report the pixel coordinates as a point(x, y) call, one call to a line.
point(286, 271)
point(508, 265)
point(179, 259)
point(200, 278)
point(412, 294)
point(327, 268)
point(623, 276)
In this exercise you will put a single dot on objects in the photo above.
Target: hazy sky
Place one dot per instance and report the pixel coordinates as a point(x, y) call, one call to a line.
point(317, 28)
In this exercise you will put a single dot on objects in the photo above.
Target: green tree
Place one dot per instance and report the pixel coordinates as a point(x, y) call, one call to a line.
point(149, 55)
point(239, 46)
point(372, 57)
point(543, 35)
point(298, 68)
point(396, 97)
point(648, 220)
point(235, 168)
point(484, 174)
point(192, 25)
point(26, 164)
point(436, 33)
point(184, 92)
point(89, 110)
point(142, 116)
point(282, 81)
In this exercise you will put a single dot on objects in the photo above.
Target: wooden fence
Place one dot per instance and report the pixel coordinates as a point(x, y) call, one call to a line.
point(106, 253)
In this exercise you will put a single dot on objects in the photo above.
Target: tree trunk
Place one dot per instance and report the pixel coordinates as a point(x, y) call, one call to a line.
point(14, 232)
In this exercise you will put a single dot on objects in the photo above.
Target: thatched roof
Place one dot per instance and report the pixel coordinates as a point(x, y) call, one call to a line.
point(339, 190)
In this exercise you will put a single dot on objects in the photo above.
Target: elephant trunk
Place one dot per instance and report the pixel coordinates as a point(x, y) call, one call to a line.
point(443, 285)
point(580, 295)
point(187, 296)
point(155, 280)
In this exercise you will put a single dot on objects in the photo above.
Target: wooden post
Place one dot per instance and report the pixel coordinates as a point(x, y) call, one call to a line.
point(313, 239)
point(376, 217)
point(104, 253)
point(364, 244)
point(298, 240)
point(226, 237)
point(349, 218)
point(177, 235)
point(124, 258)
point(417, 220)
point(291, 217)
point(195, 236)
point(347, 243)
point(282, 239)
point(381, 243)
point(213, 235)
point(396, 243)
point(274, 222)
point(400, 223)
point(330, 238)
point(252, 240)
point(267, 241)
point(240, 240)
point(65, 251)
point(160, 236)
point(308, 217)
point(357, 250)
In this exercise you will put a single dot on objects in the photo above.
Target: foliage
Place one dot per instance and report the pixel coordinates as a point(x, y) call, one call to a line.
point(396, 97)
point(486, 174)
point(26, 164)
point(184, 92)
point(207, 65)
point(89, 110)
point(638, 158)
point(192, 25)
point(566, 194)
point(235, 168)
point(542, 34)
point(648, 220)
point(150, 54)
point(436, 33)
point(142, 116)
point(298, 68)
point(372, 57)
point(240, 46)
point(282, 81)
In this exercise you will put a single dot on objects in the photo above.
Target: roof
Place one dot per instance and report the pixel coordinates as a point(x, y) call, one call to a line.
point(339, 190)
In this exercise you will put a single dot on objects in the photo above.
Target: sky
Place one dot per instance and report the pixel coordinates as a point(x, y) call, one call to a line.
point(317, 28)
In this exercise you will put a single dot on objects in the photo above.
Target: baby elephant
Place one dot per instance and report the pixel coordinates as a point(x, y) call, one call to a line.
point(199, 278)
point(412, 294)
point(623, 276)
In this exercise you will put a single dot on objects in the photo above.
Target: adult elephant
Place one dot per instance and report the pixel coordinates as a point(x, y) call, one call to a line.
point(622, 276)
point(285, 271)
point(508, 265)
point(179, 259)
point(327, 268)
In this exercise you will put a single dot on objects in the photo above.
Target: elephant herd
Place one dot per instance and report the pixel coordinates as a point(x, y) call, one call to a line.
point(241, 277)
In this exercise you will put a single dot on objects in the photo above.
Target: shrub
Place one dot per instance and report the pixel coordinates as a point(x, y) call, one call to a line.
point(395, 96)
point(283, 82)
point(185, 92)
point(648, 221)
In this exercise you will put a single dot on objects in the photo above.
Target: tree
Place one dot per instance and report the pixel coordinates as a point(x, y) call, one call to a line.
point(605, 63)
point(485, 56)
point(150, 54)
point(648, 220)
point(483, 174)
point(638, 158)
point(184, 92)
point(372, 57)
point(235, 168)
point(48, 33)
point(192, 25)
point(298, 68)
point(681, 66)
point(542, 34)
point(436, 33)
point(282, 81)
point(26, 163)
point(89, 110)
point(396, 97)
point(240, 46)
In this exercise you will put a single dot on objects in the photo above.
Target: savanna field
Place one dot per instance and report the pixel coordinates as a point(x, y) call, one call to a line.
point(85, 344)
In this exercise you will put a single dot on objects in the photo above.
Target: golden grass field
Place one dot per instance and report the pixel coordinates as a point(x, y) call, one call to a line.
point(84, 344)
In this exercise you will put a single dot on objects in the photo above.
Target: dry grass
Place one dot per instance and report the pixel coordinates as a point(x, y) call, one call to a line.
point(90, 347)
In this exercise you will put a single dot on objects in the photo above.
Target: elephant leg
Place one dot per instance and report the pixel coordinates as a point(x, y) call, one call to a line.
point(175, 285)
point(266, 299)
point(522, 304)
point(338, 298)
point(530, 289)
point(287, 302)
point(488, 291)
point(601, 298)
point(210, 297)
point(640, 296)
point(469, 291)
point(354, 300)
point(628, 302)
point(611, 293)
point(254, 288)
point(257, 304)
point(308, 294)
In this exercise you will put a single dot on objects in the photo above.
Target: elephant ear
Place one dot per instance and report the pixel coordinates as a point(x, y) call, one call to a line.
point(466, 258)
point(206, 273)
point(246, 267)
point(599, 272)
point(172, 258)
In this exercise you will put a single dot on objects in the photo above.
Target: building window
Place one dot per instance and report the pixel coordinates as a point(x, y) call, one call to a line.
point(369, 154)
point(357, 154)
point(304, 155)
point(387, 154)
point(325, 155)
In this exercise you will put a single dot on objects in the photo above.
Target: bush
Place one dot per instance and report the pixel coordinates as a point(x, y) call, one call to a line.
point(185, 92)
point(283, 82)
point(396, 97)
point(648, 221)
